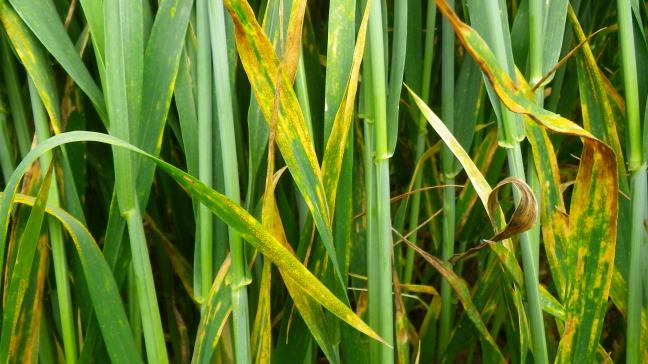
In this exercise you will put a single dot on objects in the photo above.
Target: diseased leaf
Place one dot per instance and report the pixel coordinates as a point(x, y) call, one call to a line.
point(262, 67)
point(463, 293)
point(34, 60)
point(212, 322)
point(228, 211)
point(42, 18)
point(335, 147)
point(592, 219)
point(21, 273)
point(101, 285)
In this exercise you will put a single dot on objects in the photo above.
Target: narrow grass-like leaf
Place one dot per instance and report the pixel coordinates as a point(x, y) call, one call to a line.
point(297, 148)
point(292, 49)
point(339, 56)
point(35, 61)
point(308, 308)
point(396, 70)
point(16, 103)
point(124, 75)
point(93, 12)
point(334, 152)
point(592, 213)
point(239, 276)
point(6, 157)
point(491, 21)
point(29, 325)
point(217, 309)
point(21, 273)
point(42, 18)
point(161, 62)
point(463, 294)
point(103, 289)
point(483, 190)
point(232, 214)
point(261, 340)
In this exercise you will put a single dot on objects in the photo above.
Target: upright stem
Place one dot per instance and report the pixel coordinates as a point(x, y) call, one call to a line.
point(204, 93)
point(380, 300)
point(373, 285)
point(231, 174)
point(422, 132)
point(56, 236)
point(123, 18)
point(447, 165)
point(511, 137)
point(536, 44)
point(534, 308)
point(637, 169)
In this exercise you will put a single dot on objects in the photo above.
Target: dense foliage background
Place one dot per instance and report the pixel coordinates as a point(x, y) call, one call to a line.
point(345, 181)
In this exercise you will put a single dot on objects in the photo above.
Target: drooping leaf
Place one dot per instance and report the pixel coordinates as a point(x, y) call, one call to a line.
point(262, 67)
point(503, 250)
point(463, 293)
point(231, 213)
point(103, 290)
point(592, 219)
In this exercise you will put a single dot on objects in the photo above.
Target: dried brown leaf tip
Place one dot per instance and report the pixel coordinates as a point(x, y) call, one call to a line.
point(523, 218)
point(525, 214)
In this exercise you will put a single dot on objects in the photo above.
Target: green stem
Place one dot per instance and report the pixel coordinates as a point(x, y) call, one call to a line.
point(531, 283)
point(382, 292)
point(637, 169)
point(56, 236)
point(447, 165)
point(133, 310)
point(629, 66)
point(637, 234)
point(124, 116)
point(204, 94)
point(147, 298)
point(511, 136)
point(428, 54)
point(536, 43)
point(535, 46)
point(230, 168)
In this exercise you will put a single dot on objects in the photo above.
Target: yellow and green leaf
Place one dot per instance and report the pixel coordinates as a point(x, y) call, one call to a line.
point(589, 257)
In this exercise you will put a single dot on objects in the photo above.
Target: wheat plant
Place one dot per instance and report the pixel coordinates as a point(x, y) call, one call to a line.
point(283, 181)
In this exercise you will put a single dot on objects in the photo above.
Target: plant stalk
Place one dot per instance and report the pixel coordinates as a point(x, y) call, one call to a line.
point(204, 94)
point(447, 165)
point(41, 122)
point(124, 114)
point(637, 169)
point(536, 44)
point(428, 54)
point(240, 311)
point(511, 138)
point(380, 299)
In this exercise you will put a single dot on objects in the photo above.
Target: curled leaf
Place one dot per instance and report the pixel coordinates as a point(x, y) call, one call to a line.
point(523, 218)
point(525, 214)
